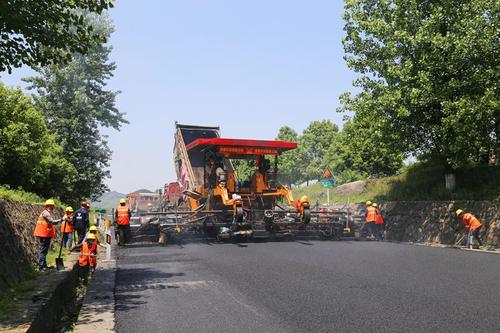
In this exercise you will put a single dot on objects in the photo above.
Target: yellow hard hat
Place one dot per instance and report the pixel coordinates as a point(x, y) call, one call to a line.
point(69, 209)
point(50, 202)
point(90, 236)
point(374, 205)
point(93, 228)
point(368, 203)
point(459, 211)
point(123, 200)
point(304, 198)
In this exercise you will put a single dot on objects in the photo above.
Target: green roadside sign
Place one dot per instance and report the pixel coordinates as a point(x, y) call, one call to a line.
point(100, 211)
point(327, 183)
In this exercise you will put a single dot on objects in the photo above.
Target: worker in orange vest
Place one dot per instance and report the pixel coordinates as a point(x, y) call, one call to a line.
point(379, 223)
point(122, 216)
point(67, 228)
point(92, 241)
point(471, 223)
point(88, 256)
point(45, 230)
point(371, 215)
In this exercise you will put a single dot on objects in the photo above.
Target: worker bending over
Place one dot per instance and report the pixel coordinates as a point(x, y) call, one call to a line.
point(471, 223)
point(45, 230)
point(379, 223)
point(122, 216)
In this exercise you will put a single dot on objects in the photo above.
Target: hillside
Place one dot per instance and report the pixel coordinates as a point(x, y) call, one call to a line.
point(416, 183)
point(108, 200)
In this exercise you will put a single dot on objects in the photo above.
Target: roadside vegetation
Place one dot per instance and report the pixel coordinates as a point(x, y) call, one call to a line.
point(416, 182)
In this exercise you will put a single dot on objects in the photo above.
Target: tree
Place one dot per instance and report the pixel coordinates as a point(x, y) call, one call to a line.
point(429, 75)
point(314, 144)
point(77, 105)
point(39, 33)
point(361, 150)
point(30, 158)
point(289, 171)
point(244, 168)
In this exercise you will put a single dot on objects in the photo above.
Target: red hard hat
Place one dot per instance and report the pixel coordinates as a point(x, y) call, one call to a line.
point(84, 203)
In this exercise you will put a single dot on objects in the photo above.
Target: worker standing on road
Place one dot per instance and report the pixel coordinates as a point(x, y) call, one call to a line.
point(471, 223)
point(81, 220)
point(379, 223)
point(371, 215)
point(45, 230)
point(67, 228)
point(122, 216)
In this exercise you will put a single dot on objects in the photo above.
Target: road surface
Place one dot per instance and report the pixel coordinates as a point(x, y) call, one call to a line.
point(306, 287)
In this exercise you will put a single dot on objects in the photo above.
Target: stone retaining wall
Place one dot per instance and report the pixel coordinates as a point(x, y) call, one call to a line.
point(435, 221)
point(18, 246)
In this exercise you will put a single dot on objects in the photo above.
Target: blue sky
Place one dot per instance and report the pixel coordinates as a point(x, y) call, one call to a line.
point(248, 66)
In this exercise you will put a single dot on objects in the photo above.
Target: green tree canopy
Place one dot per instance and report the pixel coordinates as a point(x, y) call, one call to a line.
point(314, 145)
point(77, 106)
point(30, 158)
point(430, 75)
point(39, 33)
point(289, 171)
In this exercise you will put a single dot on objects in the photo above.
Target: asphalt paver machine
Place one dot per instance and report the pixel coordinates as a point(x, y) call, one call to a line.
point(217, 202)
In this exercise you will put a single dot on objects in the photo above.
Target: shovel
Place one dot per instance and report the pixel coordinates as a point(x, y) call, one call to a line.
point(59, 260)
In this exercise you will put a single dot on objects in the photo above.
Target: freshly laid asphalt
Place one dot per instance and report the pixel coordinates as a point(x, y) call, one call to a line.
point(306, 287)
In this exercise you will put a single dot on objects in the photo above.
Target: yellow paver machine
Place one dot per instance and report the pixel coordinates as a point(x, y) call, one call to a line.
point(212, 200)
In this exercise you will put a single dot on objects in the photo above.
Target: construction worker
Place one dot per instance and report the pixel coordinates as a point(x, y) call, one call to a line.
point(67, 228)
point(471, 223)
point(122, 216)
point(45, 230)
point(371, 215)
point(379, 223)
point(81, 220)
point(88, 256)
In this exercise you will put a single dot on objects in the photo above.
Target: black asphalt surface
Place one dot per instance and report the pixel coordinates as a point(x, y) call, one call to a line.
point(306, 287)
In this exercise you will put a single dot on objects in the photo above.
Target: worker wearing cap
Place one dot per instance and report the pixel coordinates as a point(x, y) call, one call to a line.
point(379, 223)
point(122, 216)
point(67, 228)
point(471, 223)
point(45, 230)
point(81, 220)
point(371, 215)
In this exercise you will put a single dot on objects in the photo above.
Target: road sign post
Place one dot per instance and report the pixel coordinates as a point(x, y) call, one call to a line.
point(327, 181)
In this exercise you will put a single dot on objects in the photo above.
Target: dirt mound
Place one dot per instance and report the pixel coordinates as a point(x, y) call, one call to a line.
point(352, 188)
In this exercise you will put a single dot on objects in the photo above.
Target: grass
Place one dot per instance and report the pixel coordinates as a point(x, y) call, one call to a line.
point(54, 253)
point(10, 296)
point(23, 196)
point(417, 182)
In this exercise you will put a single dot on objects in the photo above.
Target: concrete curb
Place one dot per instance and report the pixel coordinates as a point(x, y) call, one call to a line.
point(98, 310)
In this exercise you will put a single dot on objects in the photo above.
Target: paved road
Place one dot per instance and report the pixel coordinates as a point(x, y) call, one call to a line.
point(307, 287)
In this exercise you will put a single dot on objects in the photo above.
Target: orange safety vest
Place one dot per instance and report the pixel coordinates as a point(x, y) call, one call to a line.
point(122, 218)
point(67, 226)
point(88, 256)
point(379, 219)
point(471, 222)
point(43, 228)
point(371, 215)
